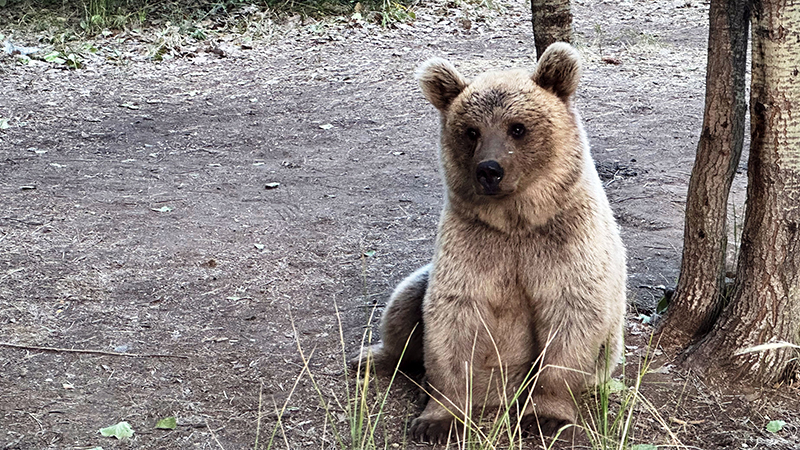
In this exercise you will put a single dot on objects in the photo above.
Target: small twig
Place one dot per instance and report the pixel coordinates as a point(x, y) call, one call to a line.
point(37, 421)
point(22, 221)
point(93, 352)
point(169, 200)
point(214, 436)
point(635, 197)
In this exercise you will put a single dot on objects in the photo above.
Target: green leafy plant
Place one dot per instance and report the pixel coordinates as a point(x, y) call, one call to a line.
point(69, 60)
point(392, 11)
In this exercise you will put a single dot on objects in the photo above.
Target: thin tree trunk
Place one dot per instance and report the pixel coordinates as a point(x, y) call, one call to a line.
point(552, 22)
point(766, 303)
point(698, 297)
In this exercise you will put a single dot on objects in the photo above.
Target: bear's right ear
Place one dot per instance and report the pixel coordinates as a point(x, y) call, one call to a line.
point(440, 82)
point(559, 70)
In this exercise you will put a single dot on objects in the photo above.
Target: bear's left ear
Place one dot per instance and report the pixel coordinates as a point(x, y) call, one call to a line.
point(440, 82)
point(559, 70)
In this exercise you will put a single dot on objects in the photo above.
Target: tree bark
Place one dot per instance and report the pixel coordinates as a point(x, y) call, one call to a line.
point(552, 22)
point(698, 296)
point(766, 302)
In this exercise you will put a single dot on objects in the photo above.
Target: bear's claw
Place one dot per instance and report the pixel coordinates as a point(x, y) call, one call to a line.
point(433, 431)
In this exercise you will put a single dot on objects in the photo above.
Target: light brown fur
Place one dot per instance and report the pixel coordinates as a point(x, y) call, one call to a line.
point(534, 273)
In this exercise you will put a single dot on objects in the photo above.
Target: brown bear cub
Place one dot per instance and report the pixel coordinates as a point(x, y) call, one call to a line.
point(528, 274)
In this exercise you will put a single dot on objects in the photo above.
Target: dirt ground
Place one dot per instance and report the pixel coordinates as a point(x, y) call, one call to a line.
point(140, 215)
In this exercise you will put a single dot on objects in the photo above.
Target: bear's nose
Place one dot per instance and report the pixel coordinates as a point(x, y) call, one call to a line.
point(489, 175)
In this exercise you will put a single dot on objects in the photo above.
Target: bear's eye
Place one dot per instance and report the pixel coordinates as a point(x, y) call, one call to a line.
point(473, 133)
point(516, 130)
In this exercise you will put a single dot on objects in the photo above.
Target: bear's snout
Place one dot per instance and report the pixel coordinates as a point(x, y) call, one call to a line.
point(489, 174)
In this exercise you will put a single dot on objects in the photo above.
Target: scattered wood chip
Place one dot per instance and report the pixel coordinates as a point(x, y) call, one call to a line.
point(686, 422)
point(610, 60)
point(217, 51)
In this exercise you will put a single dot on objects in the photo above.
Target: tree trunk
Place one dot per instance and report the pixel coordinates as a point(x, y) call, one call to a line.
point(766, 304)
point(552, 22)
point(698, 297)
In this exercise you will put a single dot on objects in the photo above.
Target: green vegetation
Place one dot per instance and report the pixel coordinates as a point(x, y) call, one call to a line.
point(68, 33)
point(608, 415)
point(192, 17)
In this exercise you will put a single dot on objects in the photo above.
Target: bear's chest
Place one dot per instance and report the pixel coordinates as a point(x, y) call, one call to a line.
point(485, 290)
point(498, 273)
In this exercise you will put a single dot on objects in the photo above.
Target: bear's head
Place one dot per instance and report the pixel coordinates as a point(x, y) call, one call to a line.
point(510, 134)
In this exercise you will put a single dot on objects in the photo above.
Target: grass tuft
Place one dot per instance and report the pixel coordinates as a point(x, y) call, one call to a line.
point(608, 415)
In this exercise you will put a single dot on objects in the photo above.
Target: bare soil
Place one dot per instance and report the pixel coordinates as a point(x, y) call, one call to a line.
point(140, 215)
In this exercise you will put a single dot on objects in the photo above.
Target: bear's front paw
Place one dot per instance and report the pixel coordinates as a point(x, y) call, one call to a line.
point(433, 431)
point(545, 426)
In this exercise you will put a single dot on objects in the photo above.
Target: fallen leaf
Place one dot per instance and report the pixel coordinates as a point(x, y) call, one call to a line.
point(775, 425)
point(644, 318)
point(615, 386)
point(54, 57)
point(167, 423)
point(121, 430)
point(610, 60)
point(764, 347)
point(666, 368)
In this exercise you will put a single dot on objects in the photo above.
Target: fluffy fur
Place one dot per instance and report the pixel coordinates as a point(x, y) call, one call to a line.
point(528, 272)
